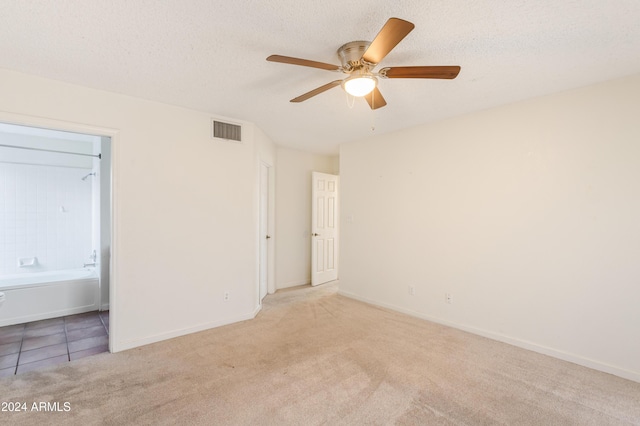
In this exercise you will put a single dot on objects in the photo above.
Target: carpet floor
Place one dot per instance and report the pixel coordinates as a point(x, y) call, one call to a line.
point(312, 357)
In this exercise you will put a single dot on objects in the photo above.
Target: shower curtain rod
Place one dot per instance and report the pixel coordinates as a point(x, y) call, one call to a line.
point(99, 156)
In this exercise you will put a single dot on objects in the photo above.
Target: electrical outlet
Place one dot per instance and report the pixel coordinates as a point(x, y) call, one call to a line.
point(447, 298)
point(412, 290)
point(226, 296)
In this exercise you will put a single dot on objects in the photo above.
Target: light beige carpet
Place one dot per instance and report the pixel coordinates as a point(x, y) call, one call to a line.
point(312, 357)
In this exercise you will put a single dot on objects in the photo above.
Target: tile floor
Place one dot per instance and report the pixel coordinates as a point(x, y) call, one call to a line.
point(26, 347)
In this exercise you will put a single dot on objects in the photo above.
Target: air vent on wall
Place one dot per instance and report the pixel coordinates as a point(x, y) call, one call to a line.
point(227, 131)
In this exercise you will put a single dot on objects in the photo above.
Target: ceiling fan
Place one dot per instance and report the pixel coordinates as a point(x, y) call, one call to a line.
point(359, 58)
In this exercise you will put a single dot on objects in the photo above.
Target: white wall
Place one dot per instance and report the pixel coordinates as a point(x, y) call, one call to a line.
point(293, 222)
point(184, 208)
point(526, 214)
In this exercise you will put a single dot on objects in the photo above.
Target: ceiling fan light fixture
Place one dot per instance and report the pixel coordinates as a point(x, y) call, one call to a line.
point(360, 85)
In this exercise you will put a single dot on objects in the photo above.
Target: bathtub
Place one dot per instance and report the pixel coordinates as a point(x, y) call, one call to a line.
point(41, 295)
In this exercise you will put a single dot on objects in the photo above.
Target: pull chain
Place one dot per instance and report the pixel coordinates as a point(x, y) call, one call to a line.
point(351, 100)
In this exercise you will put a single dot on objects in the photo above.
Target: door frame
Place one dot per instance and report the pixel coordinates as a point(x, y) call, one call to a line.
point(271, 288)
point(66, 126)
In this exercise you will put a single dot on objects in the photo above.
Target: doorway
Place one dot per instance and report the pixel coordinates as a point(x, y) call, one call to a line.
point(264, 232)
point(64, 150)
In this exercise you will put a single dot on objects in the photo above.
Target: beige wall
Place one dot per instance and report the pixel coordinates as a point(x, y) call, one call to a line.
point(293, 220)
point(527, 214)
point(185, 206)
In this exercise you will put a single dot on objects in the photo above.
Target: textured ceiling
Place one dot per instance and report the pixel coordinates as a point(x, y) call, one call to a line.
point(210, 55)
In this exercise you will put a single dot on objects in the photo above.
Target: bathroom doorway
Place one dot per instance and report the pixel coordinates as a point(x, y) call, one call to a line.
point(56, 191)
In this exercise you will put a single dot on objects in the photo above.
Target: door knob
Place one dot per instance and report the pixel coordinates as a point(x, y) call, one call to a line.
point(268, 236)
point(316, 235)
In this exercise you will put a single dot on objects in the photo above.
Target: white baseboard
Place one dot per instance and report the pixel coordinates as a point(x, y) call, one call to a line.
point(565, 356)
point(134, 343)
point(293, 284)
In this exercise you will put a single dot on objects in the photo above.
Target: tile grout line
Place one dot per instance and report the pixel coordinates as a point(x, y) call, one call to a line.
point(66, 337)
point(24, 329)
point(102, 321)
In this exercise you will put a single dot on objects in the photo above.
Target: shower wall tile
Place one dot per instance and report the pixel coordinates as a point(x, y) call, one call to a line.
point(45, 212)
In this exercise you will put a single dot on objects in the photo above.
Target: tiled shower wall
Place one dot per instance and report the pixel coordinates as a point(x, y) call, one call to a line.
point(45, 212)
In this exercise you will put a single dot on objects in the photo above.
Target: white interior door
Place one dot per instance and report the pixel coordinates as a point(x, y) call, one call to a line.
point(324, 228)
point(264, 229)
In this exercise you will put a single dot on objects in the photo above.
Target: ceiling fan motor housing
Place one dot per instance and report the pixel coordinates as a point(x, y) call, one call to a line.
point(350, 55)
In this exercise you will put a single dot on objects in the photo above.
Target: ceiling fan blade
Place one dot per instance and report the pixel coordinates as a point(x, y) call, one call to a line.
point(389, 36)
point(447, 72)
point(375, 99)
point(302, 62)
point(317, 91)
